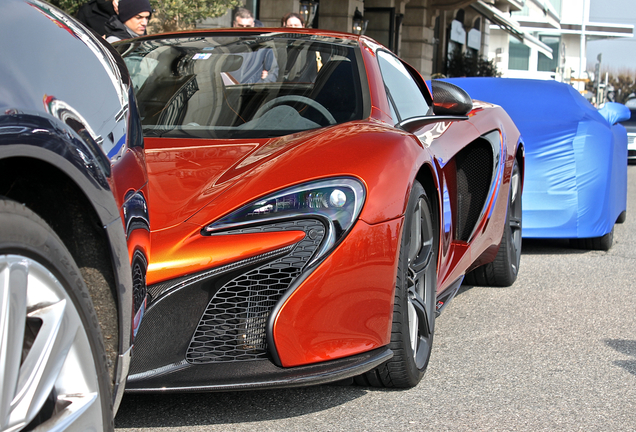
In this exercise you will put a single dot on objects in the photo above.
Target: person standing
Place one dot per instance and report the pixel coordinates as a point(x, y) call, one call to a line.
point(95, 13)
point(258, 66)
point(292, 19)
point(130, 22)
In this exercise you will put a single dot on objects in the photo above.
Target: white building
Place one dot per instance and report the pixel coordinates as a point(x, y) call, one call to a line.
point(526, 38)
point(563, 26)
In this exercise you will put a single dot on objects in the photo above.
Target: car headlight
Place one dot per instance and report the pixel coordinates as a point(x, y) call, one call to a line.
point(337, 202)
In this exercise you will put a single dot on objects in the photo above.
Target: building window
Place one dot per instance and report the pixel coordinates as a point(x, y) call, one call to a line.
point(519, 55)
point(544, 64)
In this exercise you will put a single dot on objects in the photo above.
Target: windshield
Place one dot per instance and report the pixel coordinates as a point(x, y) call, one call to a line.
point(244, 86)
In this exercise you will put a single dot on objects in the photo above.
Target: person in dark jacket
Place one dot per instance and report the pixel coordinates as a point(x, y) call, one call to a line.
point(130, 22)
point(94, 14)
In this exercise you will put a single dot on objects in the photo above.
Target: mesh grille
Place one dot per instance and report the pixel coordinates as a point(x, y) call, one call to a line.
point(139, 281)
point(474, 173)
point(233, 326)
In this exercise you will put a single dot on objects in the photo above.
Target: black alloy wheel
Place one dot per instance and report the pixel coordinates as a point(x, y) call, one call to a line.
point(502, 272)
point(415, 299)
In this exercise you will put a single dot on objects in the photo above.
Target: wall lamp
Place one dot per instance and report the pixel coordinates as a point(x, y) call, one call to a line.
point(308, 11)
point(359, 23)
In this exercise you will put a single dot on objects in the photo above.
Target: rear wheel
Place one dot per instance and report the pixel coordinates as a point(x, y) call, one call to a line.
point(603, 243)
point(505, 267)
point(622, 217)
point(415, 296)
point(52, 356)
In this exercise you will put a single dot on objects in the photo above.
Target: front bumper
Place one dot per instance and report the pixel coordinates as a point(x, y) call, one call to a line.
point(268, 321)
point(186, 377)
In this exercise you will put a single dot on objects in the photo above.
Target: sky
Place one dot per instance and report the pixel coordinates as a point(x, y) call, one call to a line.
point(617, 53)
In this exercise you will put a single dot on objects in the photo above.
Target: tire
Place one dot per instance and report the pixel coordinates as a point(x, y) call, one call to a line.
point(622, 217)
point(415, 299)
point(53, 358)
point(502, 272)
point(603, 243)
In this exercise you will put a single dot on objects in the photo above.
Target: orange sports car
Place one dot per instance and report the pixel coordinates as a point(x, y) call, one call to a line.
point(313, 208)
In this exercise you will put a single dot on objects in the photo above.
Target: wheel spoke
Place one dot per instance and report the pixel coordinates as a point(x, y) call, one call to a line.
point(420, 310)
point(46, 302)
point(13, 307)
point(515, 222)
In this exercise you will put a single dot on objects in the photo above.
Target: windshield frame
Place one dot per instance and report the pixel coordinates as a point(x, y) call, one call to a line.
point(344, 53)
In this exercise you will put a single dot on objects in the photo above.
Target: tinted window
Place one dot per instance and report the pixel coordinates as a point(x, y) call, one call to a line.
point(244, 86)
point(404, 94)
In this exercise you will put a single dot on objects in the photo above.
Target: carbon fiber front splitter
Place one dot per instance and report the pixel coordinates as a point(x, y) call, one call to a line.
point(258, 374)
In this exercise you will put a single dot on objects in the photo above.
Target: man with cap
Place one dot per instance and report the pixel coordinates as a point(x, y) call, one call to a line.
point(130, 22)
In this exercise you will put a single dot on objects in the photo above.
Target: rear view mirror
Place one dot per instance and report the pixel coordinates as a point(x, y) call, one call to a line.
point(232, 63)
point(449, 99)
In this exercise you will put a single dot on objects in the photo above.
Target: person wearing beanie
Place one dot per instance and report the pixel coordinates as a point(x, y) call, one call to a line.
point(131, 20)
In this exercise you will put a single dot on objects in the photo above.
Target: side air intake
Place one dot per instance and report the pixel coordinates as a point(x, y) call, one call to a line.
point(474, 175)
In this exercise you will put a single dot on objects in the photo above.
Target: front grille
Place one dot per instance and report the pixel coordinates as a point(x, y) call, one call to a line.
point(233, 326)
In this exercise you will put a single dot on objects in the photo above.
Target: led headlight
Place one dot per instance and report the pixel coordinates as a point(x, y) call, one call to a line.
point(337, 202)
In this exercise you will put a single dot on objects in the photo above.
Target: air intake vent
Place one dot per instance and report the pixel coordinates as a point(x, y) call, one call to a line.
point(474, 174)
point(234, 323)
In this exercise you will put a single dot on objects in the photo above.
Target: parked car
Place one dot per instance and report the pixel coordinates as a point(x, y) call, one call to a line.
point(630, 126)
point(576, 170)
point(309, 225)
point(74, 233)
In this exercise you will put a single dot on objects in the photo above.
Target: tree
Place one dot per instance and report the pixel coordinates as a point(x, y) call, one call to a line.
point(623, 82)
point(69, 6)
point(462, 64)
point(170, 15)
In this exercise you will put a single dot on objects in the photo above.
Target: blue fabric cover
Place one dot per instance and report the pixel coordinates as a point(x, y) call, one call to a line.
point(576, 161)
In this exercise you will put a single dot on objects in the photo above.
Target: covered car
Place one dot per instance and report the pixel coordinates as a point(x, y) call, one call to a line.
point(576, 158)
point(313, 209)
point(74, 228)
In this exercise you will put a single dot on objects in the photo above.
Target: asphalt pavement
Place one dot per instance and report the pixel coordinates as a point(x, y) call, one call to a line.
point(554, 352)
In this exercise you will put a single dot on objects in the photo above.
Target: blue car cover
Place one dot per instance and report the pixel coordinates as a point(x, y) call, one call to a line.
point(576, 155)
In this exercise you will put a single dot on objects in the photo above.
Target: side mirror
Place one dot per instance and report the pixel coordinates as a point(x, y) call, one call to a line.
point(614, 112)
point(449, 99)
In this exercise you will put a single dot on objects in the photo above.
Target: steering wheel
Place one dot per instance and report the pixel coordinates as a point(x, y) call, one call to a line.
point(293, 98)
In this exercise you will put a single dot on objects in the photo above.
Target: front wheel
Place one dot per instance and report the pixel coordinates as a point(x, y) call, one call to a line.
point(415, 298)
point(53, 361)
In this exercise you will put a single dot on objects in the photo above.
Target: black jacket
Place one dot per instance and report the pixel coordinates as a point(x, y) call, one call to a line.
point(117, 30)
point(95, 13)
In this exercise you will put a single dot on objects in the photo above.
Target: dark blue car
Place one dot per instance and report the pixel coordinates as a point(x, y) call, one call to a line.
point(74, 229)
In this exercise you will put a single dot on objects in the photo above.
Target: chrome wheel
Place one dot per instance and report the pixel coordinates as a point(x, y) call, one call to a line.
point(46, 357)
point(54, 375)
